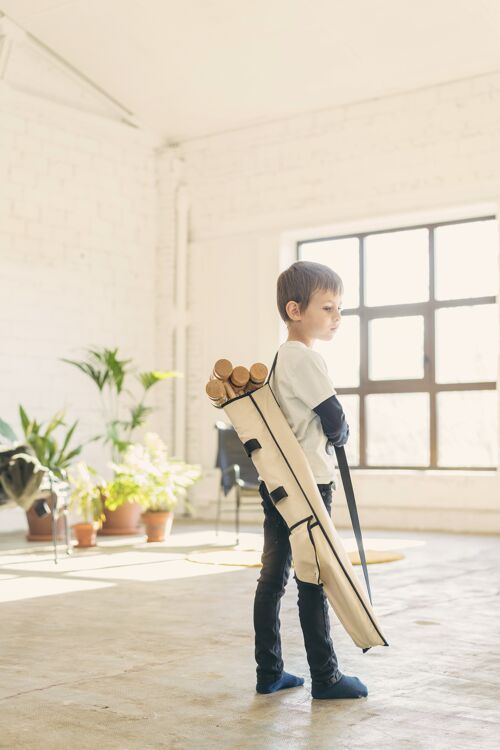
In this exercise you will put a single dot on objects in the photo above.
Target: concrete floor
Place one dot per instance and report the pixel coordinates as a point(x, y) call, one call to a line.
point(131, 646)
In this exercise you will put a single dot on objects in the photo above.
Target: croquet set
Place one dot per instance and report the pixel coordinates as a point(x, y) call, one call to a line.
point(319, 556)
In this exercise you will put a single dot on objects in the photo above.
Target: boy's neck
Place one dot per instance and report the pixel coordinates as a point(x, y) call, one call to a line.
point(307, 341)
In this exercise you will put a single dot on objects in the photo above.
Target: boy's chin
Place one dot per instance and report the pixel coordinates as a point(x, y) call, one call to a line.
point(325, 336)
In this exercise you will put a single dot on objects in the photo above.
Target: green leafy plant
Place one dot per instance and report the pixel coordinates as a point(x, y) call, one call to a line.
point(7, 433)
point(148, 476)
point(110, 375)
point(53, 452)
point(88, 493)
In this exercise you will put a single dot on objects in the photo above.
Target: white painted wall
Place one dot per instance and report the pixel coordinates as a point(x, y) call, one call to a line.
point(78, 250)
point(90, 228)
point(426, 155)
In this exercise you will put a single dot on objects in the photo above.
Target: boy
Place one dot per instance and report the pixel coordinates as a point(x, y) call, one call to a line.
point(309, 301)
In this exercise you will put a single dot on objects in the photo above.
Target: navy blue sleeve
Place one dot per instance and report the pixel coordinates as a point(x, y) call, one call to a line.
point(333, 421)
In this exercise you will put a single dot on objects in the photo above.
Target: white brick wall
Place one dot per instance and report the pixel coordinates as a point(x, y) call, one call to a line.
point(78, 245)
point(401, 152)
point(381, 161)
point(88, 244)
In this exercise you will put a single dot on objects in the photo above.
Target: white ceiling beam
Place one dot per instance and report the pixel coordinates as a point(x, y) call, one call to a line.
point(11, 34)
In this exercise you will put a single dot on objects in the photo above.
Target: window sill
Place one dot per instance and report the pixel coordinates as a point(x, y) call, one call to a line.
point(447, 473)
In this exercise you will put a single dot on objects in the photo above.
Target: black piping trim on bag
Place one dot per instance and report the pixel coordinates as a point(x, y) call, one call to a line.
point(231, 400)
point(250, 446)
point(319, 524)
point(294, 526)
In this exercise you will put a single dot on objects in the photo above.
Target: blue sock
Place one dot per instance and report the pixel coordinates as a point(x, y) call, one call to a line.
point(286, 680)
point(346, 687)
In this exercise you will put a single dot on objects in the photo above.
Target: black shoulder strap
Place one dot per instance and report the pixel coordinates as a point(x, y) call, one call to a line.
point(353, 511)
point(272, 368)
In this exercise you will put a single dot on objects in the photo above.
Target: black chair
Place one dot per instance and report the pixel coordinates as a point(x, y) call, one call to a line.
point(237, 470)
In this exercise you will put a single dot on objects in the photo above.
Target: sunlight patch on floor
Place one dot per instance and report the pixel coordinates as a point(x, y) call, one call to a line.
point(163, 571)
point(94, 561)
point(32, 587)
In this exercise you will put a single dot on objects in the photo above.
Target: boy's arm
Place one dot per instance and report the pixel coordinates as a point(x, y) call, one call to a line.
point(333, 421)
point(314, 387)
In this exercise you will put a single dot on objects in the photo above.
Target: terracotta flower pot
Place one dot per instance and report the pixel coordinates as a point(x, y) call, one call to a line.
point(85, 534)
point(40, 529)
point(158, 524)
point(122, 522)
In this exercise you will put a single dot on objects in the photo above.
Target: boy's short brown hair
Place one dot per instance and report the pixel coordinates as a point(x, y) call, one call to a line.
point(301, 280)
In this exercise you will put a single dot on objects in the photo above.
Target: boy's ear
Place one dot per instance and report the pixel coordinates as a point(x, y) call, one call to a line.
point(293, 310)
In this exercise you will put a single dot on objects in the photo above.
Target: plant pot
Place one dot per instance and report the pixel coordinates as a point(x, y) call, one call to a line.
point(123, 521)
point(40, 529)
point(158, 524)
point(85, 534)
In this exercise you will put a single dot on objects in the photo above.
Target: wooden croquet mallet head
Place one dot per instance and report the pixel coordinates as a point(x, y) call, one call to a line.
point(216, 391)
point(239, 377)
point(258, 373)
point(223, 369)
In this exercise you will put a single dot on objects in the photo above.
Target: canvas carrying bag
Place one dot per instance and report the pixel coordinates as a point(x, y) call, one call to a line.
point(318, 554)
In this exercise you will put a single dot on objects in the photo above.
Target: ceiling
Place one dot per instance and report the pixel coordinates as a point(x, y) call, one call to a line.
point(190, 68)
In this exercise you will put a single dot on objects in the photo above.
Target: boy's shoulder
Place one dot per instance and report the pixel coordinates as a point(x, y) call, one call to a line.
point(295, 351)
point(305, 373)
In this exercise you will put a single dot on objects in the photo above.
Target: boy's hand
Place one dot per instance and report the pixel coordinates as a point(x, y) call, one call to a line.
point(330, 444)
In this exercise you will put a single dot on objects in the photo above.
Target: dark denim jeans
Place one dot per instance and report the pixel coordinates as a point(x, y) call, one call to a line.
point(313, 605)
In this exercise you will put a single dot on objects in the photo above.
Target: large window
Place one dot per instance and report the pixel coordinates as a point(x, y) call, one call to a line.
point(415, 360)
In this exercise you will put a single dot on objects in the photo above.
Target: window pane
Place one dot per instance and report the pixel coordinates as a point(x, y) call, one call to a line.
point(343, 257)
point(341, 354)
point(467, 424)
point(397, 267)
point(466, 344)
point(455, 246)
point(397, 429)
point(350, 405)
point(396, 348)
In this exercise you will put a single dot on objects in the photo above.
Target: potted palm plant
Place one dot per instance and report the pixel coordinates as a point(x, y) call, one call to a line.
point(87, 497)
point(122, 415)
point(149, 477)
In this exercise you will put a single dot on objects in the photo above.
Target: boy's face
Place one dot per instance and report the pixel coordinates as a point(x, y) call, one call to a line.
point(319, 320)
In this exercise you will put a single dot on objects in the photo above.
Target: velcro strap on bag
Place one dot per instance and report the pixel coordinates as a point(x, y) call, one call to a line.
point(250, 446)
point(278, 494)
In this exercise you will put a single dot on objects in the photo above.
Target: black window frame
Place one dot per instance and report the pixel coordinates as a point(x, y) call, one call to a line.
point(427, 309)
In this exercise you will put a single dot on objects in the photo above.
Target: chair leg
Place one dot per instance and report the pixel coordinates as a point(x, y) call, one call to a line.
point(238, 503)
point(69, 547)
point(218, 512)
point(54, 517)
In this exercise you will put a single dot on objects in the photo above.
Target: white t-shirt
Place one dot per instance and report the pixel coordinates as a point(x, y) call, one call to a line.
point(300, 382)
